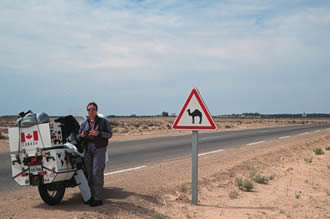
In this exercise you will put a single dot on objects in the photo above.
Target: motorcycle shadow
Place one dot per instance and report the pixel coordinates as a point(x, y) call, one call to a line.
point(115, 200)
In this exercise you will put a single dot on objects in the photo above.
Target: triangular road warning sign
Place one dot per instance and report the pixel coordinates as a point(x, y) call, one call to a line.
point(194, 114)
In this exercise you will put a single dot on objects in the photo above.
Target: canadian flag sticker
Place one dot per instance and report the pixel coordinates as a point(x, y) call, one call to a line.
point(28, 137)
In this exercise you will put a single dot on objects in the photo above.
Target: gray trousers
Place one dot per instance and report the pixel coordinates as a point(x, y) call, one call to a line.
point(95, 164)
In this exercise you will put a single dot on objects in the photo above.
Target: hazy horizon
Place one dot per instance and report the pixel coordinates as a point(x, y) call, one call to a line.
point(174, 114)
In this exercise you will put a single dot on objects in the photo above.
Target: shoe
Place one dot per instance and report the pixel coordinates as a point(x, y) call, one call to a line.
point(89, 201)
point(95, 203)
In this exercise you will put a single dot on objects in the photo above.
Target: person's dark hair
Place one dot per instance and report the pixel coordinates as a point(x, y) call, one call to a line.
point(92, 103)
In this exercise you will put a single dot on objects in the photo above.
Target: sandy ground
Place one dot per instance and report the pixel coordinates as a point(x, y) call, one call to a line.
point(299, 189)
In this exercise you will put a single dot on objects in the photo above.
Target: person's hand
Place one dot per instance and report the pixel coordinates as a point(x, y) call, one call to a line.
point(93, 133)
point(83, 134)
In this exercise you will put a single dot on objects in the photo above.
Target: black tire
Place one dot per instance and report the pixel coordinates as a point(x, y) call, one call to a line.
point(52, 193)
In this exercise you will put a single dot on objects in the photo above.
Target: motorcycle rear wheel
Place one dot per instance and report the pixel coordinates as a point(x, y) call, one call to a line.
point(52, 193)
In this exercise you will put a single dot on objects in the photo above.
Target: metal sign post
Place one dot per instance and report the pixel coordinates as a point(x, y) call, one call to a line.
point(194, 167)
point(195, 116)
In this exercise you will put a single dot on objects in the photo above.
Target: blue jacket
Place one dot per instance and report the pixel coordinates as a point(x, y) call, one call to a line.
point(103, 127)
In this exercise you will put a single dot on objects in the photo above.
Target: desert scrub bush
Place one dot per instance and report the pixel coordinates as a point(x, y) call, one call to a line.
point(159, 216)
point(308, 159)
point(244, 184)
point(260, 179)
point(136, 125)
point(183, 188)
point(327, 148)
point(298, 194)
point(318, 151)
point(327, 192)
point(233, 195)
point(252, 172)
point(150, 124)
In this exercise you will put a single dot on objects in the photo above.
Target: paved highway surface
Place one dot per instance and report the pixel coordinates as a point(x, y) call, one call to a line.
point(136, 153)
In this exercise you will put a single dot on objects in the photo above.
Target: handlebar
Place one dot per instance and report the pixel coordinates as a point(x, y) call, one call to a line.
point(22, 114)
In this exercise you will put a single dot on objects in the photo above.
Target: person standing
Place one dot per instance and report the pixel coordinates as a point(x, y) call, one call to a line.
point(95, 132)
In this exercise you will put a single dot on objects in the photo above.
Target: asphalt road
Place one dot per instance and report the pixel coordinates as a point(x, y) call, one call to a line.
point(133, 153)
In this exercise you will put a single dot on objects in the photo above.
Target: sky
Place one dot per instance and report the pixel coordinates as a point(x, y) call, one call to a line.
point(144, 57)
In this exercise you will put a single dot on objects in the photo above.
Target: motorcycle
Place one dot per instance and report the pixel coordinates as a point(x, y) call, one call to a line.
point(47, 154)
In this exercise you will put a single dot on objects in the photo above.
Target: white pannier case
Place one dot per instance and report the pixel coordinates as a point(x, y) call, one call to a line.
point(39, 149)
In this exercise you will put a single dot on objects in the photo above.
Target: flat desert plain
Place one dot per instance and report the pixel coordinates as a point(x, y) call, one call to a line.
point(142, 127)
point(294, 179)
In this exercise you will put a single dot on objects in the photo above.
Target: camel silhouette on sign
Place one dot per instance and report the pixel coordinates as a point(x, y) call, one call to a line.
point(194, 114)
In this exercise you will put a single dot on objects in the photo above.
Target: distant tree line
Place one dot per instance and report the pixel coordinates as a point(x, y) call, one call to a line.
point(308, 115)
point(283, 115)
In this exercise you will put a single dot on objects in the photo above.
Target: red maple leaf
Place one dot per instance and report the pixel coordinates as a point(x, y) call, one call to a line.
point(29, 136)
